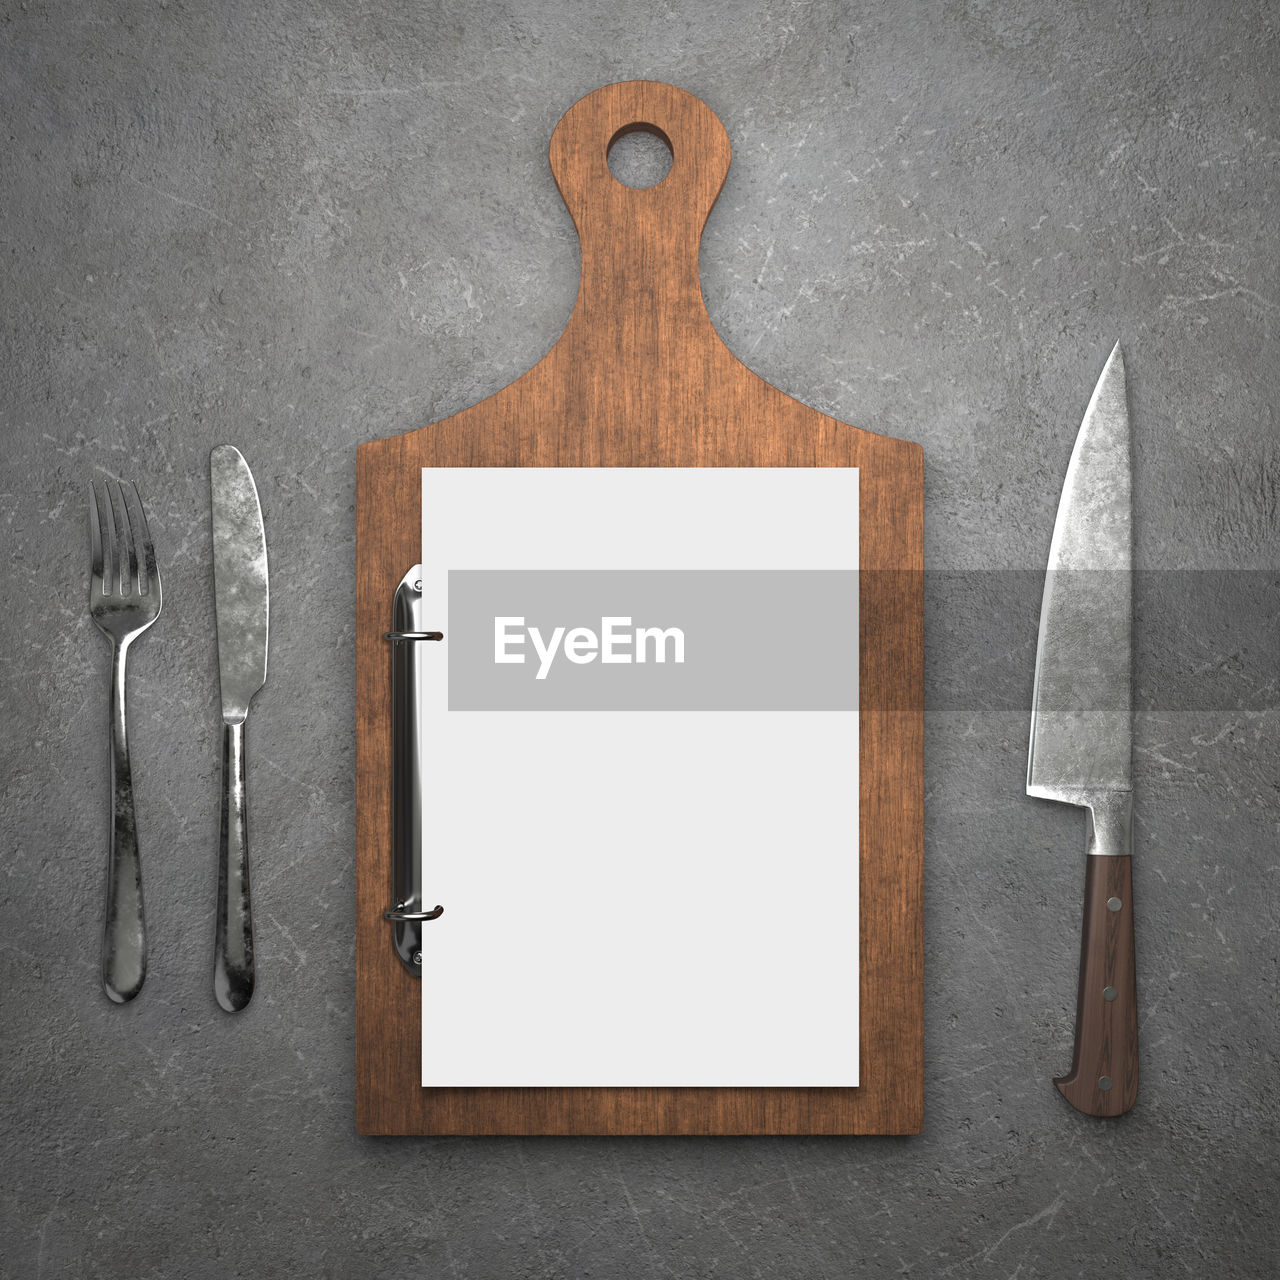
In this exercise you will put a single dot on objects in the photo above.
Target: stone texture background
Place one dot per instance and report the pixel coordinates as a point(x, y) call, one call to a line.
point(297, 226)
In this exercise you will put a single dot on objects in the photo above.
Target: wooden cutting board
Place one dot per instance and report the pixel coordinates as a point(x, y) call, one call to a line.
point(640, 378)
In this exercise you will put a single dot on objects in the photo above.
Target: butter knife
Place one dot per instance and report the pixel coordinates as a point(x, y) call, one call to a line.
point(241, 600)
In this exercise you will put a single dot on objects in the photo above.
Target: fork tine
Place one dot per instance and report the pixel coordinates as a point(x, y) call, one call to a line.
point(138, 523)
point(126, 578)
point(95, 540)
point(110, 541)
point(110, 586)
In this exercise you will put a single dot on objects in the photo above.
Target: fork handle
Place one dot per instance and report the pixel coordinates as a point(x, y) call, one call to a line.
point(124, 936)
point(233, 948)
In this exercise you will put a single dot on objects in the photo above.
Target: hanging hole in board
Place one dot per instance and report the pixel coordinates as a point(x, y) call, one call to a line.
point(640, 156)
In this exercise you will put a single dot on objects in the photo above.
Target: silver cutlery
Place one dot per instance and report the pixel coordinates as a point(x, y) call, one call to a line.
point(1081, 735)
point(124, 600)
point(241, 600)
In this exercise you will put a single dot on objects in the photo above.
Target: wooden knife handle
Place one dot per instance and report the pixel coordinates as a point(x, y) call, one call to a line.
point(1103, 1080)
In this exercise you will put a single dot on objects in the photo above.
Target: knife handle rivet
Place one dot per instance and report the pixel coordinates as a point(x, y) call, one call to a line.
point(1114, 904)
point(1104, 1083)
point(1109, 993)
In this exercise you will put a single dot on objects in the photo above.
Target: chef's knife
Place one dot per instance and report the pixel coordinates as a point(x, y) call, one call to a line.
point(1081, 731)
point(241, 601)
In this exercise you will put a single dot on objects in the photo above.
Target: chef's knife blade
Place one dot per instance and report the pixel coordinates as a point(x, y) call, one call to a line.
point(1081, 734)
point(241, 600)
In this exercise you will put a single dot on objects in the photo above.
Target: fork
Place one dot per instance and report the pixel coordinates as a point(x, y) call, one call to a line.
point(124, 603)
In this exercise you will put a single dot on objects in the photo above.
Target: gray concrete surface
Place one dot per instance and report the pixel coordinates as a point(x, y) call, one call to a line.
point(299, 226)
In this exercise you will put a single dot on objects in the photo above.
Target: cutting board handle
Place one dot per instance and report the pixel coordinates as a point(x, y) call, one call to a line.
point(640, 246)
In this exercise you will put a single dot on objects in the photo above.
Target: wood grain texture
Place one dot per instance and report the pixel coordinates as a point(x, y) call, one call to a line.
point(639, 378)
point(1106, 1042)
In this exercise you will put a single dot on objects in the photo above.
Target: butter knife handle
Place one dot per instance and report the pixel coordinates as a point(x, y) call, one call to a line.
point(233, 947)
point(1103, 1080)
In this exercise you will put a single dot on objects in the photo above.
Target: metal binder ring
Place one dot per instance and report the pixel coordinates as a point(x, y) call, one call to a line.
point(399, 913)
point(412, 635)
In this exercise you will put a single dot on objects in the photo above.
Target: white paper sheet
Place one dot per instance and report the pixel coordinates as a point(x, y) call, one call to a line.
point(656, 896)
